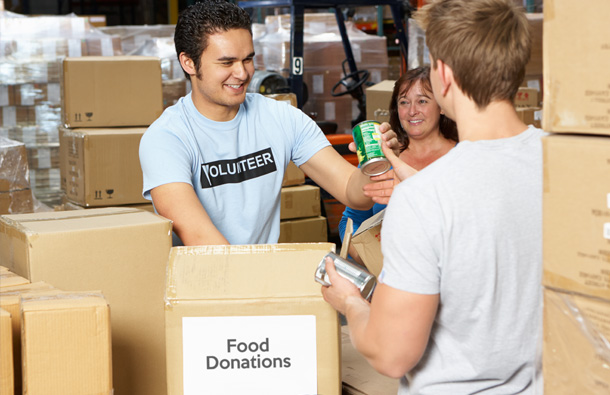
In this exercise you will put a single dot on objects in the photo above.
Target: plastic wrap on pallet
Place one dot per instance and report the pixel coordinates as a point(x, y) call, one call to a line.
point(14, 170)
point(576, 346)
point(322, 44)
point(132, 38)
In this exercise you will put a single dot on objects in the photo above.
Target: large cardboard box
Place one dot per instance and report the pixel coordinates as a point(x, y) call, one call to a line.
point(102, 91)
point(9, 279)
point(6, 354)
point(120, 251)
point(101, 167)
point(576, 351)
point(367, 242)
point(66, 344)
point(304, 230)
point(359, 377)
point(10, 300)
point(300, 201)
point(576, 81)
point(293, 175)
point(378, 99)
point(250, 319)
point(576, 214)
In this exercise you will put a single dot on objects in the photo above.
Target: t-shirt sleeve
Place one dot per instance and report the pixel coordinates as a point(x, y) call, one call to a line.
point(164, 159)
point(410, 244)
point(308, 137)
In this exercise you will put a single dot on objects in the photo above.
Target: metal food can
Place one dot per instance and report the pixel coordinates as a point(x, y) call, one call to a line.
point(355, 273)
point(370, 156)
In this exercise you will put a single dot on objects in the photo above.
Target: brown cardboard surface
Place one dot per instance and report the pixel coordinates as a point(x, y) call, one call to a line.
point(9, 279)
point(101, 167)
point(66, 344)
point(290, 98)
point(101, 91)
point(575, 352)
point(534, 66)
point(300, 202)
point(378, 99)
point(576, 82)
point(367, 242)
point(250, 281)
point(530, 115)
point(576, 214)
point(119, 251)
point(11, 302)
point(303, 230)
point(293, 175)
point(527, 97)
point(359, 377)
point(6, 353)
point(17, 201)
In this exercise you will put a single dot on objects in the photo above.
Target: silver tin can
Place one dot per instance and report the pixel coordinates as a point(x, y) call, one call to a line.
point(355, 273)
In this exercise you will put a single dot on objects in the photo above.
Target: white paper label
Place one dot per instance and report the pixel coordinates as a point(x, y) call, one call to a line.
point(28, 94)
point(106, 44)
point(376, 76)
point(263, 355)
point(3, 95)
point(318, 83)
point(9, 116)
point(329, 111)
point(74, 48)
point(53, 93)
point(607, 230)
point(44, 158)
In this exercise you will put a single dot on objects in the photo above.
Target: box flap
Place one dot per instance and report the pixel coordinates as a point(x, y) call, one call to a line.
point(244, 271)
point(78, 220)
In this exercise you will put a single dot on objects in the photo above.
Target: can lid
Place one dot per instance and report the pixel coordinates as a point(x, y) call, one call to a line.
point(375, 167)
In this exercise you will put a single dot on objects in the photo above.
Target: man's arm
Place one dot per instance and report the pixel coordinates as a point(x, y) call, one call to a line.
point(178, 202)
point(393, 331)
point(338, 177)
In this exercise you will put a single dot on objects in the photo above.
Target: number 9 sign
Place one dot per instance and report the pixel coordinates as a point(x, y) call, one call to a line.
point(297, 66)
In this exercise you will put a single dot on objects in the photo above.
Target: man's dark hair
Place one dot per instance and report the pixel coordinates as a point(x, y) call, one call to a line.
point(200, 20)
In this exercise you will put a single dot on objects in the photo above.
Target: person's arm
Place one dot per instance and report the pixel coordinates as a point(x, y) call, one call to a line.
point(178, 202)
point(344, 181)
point(393, 331)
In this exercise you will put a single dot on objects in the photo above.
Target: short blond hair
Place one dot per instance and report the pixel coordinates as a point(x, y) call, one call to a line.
point(486, 43)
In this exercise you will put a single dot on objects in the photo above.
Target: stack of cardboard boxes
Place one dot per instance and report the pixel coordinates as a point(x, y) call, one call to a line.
point(300, 213)
point(31, 49)
point(107, 104)
point(576, 351)
point(52, 341)
point(119, 251)
point(323, 55)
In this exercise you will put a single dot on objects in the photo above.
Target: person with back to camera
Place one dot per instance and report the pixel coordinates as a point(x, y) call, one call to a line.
point(458, 309)
point(424, 134)
point(214, 162)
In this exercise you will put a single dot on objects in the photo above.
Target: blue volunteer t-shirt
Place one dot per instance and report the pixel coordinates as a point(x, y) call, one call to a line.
point(235, 167)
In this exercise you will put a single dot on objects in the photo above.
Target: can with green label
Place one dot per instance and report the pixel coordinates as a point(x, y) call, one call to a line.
point(370, 156)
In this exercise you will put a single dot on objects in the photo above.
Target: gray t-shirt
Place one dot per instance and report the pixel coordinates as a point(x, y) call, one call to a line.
point(469, 227)
point(235, 167)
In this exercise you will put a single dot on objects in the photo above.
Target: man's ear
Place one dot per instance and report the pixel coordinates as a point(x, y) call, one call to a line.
point(187, 64)
point(445, 75)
